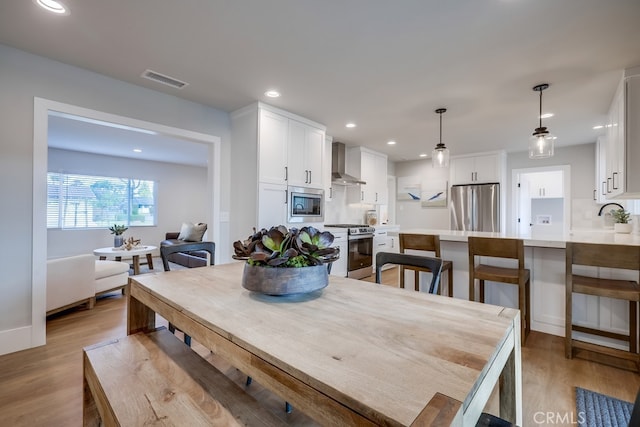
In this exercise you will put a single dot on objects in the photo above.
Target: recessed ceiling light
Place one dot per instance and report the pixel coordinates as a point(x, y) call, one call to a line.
point(53, 6)
point(546, 115)
point(272, 93)
point(137, 150)
point(598, 127)
point(391, 143)
point(350, 125)
point(423, 155)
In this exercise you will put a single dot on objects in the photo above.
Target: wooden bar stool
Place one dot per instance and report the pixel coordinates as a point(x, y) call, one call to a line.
point(424, 242)
point(520, 276)
point(612, 256)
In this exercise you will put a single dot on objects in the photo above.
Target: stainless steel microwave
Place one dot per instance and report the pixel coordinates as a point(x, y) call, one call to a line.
point(305, 205)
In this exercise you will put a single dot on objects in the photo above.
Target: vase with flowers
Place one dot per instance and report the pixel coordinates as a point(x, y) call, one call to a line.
point(282, 261)
point(621, 221)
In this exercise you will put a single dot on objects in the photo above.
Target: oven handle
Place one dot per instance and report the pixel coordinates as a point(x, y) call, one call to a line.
point(360, 237)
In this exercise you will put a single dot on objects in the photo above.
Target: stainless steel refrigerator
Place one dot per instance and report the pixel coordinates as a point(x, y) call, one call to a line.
point(475, 207)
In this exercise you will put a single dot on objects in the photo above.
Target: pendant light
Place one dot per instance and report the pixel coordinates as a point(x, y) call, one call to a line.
point(440, 154)
point(541, 142)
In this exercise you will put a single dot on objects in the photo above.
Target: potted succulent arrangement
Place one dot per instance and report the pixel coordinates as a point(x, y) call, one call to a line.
point(283, 261)
point(118, 239)
point(621, 221)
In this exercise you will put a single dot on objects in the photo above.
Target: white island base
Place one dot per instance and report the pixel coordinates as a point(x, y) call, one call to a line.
point(545, 258)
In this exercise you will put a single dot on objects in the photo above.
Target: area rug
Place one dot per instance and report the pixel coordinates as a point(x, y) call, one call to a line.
point(597, 410)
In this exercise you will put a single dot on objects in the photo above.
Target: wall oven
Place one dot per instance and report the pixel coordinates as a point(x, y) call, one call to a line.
point(305, 205)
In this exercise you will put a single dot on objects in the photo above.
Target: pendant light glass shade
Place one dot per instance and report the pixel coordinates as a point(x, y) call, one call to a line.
point(541, 142)
point(440, 154)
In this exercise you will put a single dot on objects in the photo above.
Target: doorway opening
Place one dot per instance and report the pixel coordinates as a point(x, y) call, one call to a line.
point(541, 201)
point(43, 108)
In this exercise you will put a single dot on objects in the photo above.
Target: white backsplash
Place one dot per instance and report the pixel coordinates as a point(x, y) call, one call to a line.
point(339, 211)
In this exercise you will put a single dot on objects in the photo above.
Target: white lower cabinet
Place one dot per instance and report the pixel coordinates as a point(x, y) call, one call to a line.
point(272, 205)
point(385, 240)
point(339, 267)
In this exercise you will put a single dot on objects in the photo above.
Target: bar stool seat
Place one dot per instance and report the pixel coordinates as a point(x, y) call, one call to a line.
point(520, 276)
point(424, 242)
point(620, 257)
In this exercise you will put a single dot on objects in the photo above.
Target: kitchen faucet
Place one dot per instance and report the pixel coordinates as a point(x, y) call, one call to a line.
point(607, 204)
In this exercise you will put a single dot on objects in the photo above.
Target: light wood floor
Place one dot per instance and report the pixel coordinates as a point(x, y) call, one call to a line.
point(43, 386)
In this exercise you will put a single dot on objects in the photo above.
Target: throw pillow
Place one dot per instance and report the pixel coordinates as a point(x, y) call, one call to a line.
point(190, 232)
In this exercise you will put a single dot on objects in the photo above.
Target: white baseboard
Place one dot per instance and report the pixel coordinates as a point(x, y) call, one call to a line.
point(17, 339)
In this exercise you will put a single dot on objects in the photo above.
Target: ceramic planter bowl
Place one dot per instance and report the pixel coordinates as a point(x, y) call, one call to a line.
point(284, 281)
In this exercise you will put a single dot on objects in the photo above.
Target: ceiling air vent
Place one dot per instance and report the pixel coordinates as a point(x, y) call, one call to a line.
point(165, 80)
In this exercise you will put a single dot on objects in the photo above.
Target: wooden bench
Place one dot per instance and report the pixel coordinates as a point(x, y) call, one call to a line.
point(154, 379)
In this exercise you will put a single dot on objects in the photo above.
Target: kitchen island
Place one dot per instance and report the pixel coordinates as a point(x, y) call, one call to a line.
point(545, 257)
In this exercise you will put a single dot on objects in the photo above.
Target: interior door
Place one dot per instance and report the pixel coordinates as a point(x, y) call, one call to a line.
point(524, 206)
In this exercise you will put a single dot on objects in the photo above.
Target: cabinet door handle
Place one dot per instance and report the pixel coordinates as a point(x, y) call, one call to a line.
point(604, 188)
point(362, 195)
point(376, 196)
point(608, 186)
point(615, 185)
point(286, 173)
point(309, 177)
point(594, 194)
point(286, 196)
point(544, 191)
point(331, 193)
point(471, 176)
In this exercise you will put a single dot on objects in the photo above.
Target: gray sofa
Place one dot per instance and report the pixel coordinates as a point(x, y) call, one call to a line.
point(187, 259)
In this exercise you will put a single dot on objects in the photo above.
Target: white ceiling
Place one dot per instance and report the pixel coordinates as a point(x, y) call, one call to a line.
point(386, 65)
point(78, 134)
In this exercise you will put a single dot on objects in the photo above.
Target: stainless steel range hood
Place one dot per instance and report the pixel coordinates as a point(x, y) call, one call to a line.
point(338, 162)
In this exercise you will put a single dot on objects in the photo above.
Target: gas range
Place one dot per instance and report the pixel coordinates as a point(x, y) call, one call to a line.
point(354, 229)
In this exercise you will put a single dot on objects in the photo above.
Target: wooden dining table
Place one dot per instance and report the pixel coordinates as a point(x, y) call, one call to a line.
point(354, 353)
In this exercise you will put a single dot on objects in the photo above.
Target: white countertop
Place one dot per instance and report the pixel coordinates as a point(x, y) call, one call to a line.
point(543, 241)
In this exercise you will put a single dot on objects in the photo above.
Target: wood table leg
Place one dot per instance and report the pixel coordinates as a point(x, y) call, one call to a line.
point(136, 264)
point(511, 383)
point(140, 318)
point(150, 261)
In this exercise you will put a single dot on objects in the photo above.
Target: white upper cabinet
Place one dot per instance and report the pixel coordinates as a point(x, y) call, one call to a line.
point(271, 149)
point(370, 167)
point(306, 152)
point(291, 150)
point(623, 139)
point(326, 166)
point(272, 146)
point(477, 169)
point(600, 192)
point(546, 185)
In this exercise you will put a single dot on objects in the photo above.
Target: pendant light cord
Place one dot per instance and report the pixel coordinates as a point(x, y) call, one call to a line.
point(441, 128)
point(540, 115)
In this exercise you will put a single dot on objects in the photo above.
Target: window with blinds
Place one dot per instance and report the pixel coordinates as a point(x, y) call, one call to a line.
point(83, 201)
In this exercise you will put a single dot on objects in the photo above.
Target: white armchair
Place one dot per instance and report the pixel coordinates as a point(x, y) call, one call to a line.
point(77, 279)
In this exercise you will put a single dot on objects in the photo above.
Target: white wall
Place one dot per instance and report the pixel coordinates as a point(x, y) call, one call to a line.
point(24, 76)
point(410, 214)
point(180, 198)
